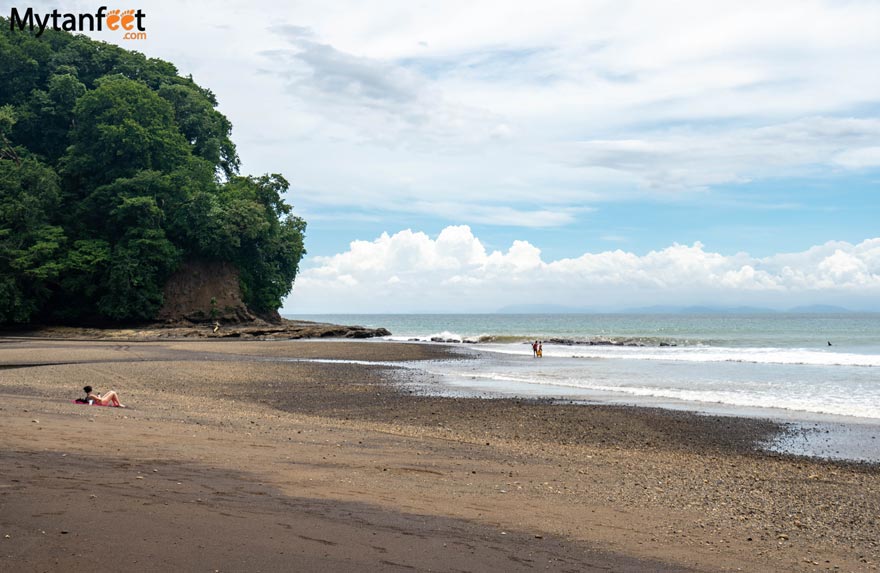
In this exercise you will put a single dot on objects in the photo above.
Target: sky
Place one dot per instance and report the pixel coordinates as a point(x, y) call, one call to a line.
point(463, 156)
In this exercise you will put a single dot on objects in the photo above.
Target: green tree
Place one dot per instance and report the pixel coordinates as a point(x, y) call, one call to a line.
point(270, 243)
point(47, 117)
point(22, 65)
point(83, 281)
point(7, 122)
point(29, 244)
point(140, 263)
point(122, 127)
point(206, 129)
point(113, 170)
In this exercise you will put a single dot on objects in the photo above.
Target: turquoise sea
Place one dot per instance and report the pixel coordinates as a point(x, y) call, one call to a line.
point(779, 366)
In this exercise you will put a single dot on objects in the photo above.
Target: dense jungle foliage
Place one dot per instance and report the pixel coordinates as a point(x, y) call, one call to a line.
point(114, 170)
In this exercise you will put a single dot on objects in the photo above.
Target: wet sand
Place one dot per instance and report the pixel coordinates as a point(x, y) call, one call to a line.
point(232, 460)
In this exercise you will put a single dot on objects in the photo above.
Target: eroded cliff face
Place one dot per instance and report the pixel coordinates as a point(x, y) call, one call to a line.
point(202, 291)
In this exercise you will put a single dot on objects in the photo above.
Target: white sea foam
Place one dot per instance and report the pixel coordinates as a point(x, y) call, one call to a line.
point(700, 354)
point(816, 400)
point(345, 361)
point(817, 405)
point(445, 336)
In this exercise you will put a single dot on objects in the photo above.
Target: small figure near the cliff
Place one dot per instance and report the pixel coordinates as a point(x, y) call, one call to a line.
point(216, 326)
point(110, 398)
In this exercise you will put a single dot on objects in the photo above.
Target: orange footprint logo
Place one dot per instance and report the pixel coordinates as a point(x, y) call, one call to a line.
point(127, 19)
point(113, 19)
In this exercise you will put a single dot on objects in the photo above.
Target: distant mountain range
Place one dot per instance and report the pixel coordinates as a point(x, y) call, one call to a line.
point(545, 309)
point(820, 308)
point(665, 309)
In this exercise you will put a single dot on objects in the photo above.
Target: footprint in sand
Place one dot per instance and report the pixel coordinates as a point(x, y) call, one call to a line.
point(127, 19)
point(113, 19)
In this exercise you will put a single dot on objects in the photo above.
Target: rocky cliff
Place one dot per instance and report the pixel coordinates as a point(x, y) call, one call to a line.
point(203, 291)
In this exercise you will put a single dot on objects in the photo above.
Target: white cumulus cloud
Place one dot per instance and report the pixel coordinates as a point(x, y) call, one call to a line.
point(410, 271)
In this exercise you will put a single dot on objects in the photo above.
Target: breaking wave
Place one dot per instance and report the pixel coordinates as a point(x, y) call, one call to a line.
point(634, 341)
point(804, 356)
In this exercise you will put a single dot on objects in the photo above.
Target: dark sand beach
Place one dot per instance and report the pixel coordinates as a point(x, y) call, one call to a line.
point(230, 459)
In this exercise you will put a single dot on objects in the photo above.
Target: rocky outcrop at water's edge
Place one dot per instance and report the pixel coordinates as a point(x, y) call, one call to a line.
point(255, 329)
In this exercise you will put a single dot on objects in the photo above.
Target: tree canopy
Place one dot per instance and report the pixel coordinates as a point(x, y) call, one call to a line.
point(114, 170)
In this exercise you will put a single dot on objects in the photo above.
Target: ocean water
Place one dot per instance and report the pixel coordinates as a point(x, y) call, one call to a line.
point(774, 365)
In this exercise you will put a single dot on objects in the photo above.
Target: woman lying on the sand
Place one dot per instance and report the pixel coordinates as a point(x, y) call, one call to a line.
point(107, 399)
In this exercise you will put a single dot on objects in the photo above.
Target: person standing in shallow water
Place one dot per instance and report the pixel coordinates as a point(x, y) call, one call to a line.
point(535, 349)
point(540, 351)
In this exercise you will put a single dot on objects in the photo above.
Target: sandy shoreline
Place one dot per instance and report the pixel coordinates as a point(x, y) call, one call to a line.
point(272, 465)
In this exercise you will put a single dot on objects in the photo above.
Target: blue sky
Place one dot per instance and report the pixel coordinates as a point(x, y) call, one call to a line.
point(463, 156)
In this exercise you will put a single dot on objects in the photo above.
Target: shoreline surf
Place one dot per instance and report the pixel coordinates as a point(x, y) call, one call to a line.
point(821, 435)
point(797, 368)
